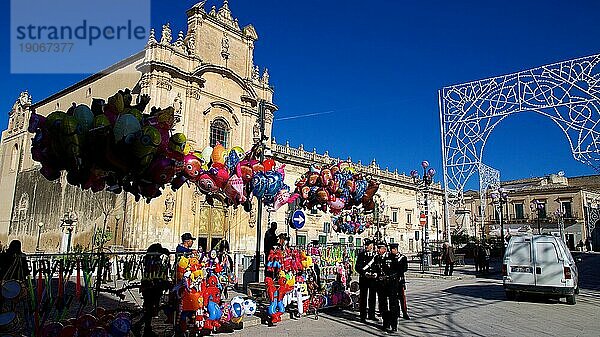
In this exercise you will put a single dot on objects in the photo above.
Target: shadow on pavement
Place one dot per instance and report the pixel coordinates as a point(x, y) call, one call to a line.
point(485, 291)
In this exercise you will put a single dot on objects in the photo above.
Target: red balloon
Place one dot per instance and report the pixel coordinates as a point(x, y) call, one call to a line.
point(269, 164)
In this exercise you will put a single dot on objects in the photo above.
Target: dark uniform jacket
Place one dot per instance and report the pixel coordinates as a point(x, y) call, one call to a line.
point(401, 267)
point(386, 267)
point(365, 265)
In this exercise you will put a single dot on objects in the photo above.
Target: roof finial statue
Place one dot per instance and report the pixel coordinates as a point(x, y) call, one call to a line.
point(166, 37)
point(265, 78)
point(152, 37)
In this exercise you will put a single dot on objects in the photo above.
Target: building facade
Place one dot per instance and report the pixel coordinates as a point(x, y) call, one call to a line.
point(553, 204)
point(209, 76)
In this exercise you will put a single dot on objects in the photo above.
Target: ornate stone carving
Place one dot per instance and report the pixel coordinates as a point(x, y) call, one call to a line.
point(256, 74)
point(225, 47)
point(152, 37)
point(169, 207)
point(190, 43)
point(265, 77)
point(166, 37)
point(17, 114)
point(193, 93)
point(179, 43)
point(178, 106)
point(164, 83)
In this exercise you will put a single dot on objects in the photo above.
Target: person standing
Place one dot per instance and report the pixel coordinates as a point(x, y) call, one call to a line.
point(187, 241)
point(588, 244)
point(449, 259)
point(13, 263)
point(401, 266)
point(365, 268)
point(155, 280)
point(386, 294)
point(270, 240)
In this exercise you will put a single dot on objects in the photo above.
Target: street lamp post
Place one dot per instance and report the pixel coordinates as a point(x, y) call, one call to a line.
point(40, 226)
point(261, 149)
point(69, 220)
point(423, 183)
point(536, 206)
point(560, 216)
point(500, 198)
point(117, 218)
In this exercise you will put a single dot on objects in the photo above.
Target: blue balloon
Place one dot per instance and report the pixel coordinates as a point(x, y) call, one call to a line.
point(214, 311)
point(361, 188)
point(259, 184)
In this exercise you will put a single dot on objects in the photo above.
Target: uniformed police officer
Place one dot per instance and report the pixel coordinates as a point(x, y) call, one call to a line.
point(402, 267)
point(365, 266)
point(387, 277)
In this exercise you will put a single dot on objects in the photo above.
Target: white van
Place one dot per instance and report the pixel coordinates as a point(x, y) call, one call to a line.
point(539, 264)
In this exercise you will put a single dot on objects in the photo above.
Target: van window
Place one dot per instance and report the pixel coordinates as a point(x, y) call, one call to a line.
point(545, 252)
point(520, 252)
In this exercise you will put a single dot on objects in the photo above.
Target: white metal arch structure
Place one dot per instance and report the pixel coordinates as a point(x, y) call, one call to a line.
point(566, 92)
point(489, 177)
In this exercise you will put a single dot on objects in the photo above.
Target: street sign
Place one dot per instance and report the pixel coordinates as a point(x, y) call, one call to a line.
point(298, 219)
point(422, 219)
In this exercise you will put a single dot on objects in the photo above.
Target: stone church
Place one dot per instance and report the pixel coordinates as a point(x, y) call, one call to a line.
point(209, 75)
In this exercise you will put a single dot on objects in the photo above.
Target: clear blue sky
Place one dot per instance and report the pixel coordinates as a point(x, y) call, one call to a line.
point(378, 66)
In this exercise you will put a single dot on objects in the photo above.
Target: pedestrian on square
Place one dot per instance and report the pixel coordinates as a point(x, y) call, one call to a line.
point(366, 281)
point(588, 244)
point(270, 241)
point(185, 247)
point(449, 259)
point(476, 258)
point(386, 293)
point(154, 282)
point(13, 263)
point(580, 246)
point(486, 258)
point(401, 266)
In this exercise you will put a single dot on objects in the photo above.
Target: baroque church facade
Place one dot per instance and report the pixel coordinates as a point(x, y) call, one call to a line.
point(209, 76)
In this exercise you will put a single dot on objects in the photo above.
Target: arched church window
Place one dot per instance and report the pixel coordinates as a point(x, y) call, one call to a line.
point(14, 158)
point(219, 132)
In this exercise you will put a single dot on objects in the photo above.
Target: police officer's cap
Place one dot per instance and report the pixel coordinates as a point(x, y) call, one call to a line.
point(368, 242)
point(393, 246)
point(381, 244)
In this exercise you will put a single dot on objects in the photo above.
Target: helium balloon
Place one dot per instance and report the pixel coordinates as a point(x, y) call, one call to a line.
point(125, 125)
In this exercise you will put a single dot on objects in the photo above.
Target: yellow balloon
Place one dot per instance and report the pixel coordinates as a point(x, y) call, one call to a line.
point(291, 282)
point(184, 262)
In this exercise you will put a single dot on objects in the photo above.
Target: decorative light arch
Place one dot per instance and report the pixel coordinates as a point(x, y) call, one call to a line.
point(566, 92)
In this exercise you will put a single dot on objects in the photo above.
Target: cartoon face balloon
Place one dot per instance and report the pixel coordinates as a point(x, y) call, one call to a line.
point(162, 170)
point(206, 184)
point(192, 167)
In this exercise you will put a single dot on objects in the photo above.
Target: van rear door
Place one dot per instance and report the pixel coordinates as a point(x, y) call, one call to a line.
point(520, 264)
point(548, 267)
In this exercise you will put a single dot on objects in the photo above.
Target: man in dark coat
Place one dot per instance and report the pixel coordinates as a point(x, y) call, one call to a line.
point(270, 240)
point(387, 277)
point(449, 258)
point(365, 268)
point(402, 267)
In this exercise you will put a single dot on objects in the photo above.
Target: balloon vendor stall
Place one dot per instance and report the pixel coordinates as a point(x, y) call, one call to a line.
point(307, 279)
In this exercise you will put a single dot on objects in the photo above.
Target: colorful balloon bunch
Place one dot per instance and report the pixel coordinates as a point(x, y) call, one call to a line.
point(336, 188)
point(115, 145)
point(351, 222)
point(233, 177)
point(111, 145)
point(103, 324)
